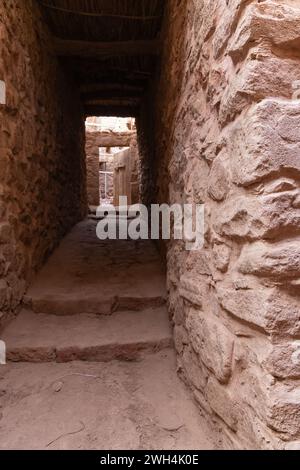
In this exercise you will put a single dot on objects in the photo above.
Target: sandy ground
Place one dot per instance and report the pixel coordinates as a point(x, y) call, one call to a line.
point(49, 401)
point(116, 405)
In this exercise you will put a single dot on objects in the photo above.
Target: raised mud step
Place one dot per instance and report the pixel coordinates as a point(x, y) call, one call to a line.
point(123, 336)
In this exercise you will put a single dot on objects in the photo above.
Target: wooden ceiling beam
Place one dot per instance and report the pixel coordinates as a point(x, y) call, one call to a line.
point(70, 48)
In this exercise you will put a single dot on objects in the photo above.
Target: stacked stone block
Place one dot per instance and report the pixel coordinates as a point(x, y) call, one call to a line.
point(228, 135)
point(42, 167)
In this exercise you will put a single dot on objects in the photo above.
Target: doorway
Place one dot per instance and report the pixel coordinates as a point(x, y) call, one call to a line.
point(113, 167)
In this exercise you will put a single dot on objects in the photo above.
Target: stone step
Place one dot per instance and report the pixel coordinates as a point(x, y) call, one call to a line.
point(123, 336)
point(88, 275)
point(66, 304)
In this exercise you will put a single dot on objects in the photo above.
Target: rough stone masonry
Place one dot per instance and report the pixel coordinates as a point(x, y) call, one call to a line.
point(227, 133)
point(42, 161)
point(220, 125)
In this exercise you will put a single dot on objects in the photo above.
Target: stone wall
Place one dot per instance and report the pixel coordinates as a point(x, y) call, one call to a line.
point(42, 168)
point(145, 135)
point(228, 135)
point(96, 139)
point(92, 169)
point(135, 172)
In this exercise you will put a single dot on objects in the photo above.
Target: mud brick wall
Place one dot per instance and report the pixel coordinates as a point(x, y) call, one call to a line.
point(42, 168)
point(227, 134)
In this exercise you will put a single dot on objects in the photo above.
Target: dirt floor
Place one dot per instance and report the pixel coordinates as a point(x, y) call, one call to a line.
point(115, 405)
point(91, 363)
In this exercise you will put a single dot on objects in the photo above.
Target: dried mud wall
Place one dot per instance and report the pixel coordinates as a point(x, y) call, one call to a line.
point(42, 167)
point(227, 134)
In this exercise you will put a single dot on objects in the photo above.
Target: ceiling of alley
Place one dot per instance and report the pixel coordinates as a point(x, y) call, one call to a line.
point(109, 46)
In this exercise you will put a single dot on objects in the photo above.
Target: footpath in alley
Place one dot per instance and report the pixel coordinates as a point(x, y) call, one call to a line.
point(90, 357)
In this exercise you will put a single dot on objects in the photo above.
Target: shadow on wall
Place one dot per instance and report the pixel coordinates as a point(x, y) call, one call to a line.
point(42, 165)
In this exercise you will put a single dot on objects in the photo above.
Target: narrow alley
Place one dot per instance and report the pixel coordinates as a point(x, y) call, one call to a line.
point(187, 337)
point(91, 357)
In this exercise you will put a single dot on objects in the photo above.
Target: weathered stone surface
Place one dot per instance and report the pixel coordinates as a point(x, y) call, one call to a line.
point(197, 263)
point(265, 141)
point(266, 308)
point(257, 80)
point(221, 254)
point(284, 360)
point(226, 27)
point(180, 338)
point(42, 166)
point(284, 412)
point(175, 306)
point(222, 403)
point(86, 337)
point(213, 342)
point(259, 217)
point(192, 369)
point(279, 185)
point(3, 293)
point(2, 265)
point(280, 261)
point(227, 127)
point(93, 177)
point(190, 290)
point(218, 185)
point(5, 233)
point(275, 21)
